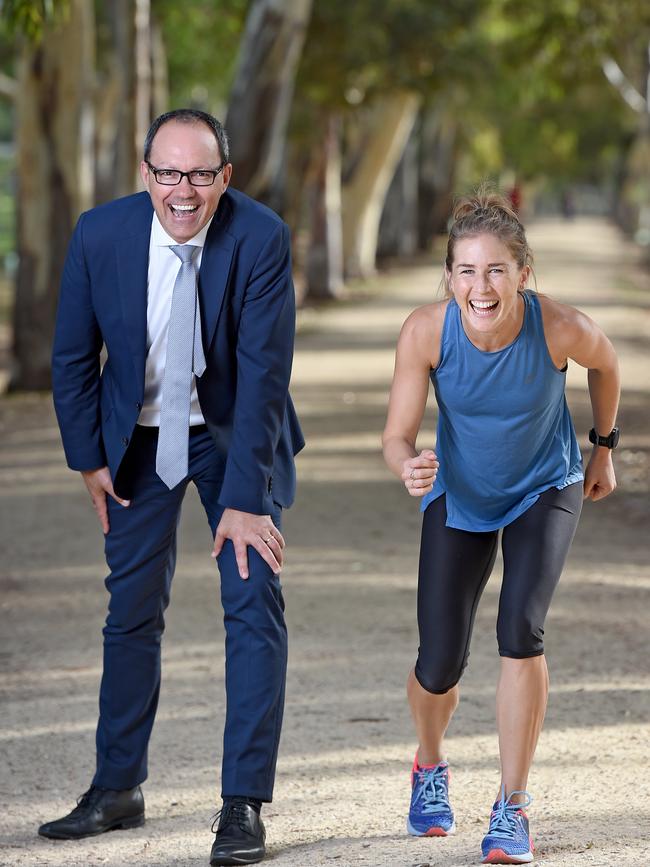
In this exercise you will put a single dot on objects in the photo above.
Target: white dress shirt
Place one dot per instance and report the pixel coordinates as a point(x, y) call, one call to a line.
point(164, 266)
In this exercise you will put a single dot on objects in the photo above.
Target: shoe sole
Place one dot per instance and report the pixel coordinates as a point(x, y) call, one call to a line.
point(432, 832)
point(235, 862)
point(498, 856)
point(121, 825)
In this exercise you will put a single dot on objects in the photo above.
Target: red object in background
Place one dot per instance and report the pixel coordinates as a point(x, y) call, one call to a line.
point(515, 198)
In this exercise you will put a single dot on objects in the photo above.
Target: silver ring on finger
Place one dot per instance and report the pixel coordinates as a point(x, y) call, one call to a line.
point(268, 540)
point(412, 476)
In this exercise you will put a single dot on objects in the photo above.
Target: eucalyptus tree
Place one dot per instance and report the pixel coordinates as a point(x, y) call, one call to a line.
point(568, 95)
point(54, 167)
point(367, 68)
point(85, 90)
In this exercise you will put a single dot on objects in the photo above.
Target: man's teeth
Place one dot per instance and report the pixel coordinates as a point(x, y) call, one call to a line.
point(184, 209)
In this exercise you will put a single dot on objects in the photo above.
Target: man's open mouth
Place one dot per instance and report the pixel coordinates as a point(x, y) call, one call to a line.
point(183, 210)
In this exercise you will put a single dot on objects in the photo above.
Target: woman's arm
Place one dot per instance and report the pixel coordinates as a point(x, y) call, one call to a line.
point(574, 335)
point(417, 352)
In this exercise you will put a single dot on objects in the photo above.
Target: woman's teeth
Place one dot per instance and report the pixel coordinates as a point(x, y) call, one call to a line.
point(483, 307)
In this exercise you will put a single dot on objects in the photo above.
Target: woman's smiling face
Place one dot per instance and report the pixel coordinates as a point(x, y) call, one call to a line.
point(485, 280)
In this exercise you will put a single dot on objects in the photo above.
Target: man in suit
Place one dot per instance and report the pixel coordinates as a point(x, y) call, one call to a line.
point(188, 288)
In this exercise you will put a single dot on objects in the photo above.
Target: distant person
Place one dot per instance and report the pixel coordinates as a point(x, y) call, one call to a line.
point(188, 286)
point(506, 461)
point(568, 205)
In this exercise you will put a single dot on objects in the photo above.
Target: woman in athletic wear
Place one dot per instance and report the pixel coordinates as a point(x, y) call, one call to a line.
point(506, 459)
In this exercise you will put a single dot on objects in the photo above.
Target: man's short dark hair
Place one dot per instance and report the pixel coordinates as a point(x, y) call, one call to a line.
point(189, 115)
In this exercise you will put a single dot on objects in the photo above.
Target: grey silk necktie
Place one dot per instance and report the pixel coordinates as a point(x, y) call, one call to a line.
point(184, 356)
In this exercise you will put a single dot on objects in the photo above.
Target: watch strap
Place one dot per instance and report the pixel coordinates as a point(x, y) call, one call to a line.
point(610, 441)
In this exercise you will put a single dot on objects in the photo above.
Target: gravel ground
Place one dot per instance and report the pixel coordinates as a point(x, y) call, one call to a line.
point(343, 775)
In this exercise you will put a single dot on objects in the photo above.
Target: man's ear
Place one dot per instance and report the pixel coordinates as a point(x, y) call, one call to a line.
point(144, 174)
point(226, 175)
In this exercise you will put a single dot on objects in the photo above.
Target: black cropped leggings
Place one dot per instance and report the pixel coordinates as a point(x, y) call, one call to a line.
point(455, 566)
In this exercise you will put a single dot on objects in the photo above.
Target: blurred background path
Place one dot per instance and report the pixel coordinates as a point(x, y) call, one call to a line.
point(343, 775)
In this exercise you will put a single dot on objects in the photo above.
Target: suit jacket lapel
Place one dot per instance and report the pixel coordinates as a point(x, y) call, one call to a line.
point(133, 264)
point(213, 277)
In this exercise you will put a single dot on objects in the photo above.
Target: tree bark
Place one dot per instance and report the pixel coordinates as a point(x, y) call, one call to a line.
point(133, 91)
point(260, 100)
point(116, 137)
point(324, 266)
point(632, 209)
point(398, 228)
point(54, 138)
point(388, 127)
point(437, 172)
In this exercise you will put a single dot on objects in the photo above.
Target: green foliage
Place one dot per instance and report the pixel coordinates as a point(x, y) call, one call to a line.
point(29, 17)
point(522, 79)
point(202, 40)
point(356, 51)
point(545, 92)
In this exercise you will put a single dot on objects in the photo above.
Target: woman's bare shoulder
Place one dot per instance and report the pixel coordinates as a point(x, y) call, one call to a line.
point(564, 327)
point(426, 319)
point(423, 328)
point(560, 318)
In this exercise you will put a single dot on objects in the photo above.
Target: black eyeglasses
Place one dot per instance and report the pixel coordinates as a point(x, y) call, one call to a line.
point(197, 177)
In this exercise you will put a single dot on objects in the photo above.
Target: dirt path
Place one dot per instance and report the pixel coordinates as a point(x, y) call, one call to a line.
point(342, 788)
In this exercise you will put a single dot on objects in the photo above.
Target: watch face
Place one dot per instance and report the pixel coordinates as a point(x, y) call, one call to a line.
point(614, 436)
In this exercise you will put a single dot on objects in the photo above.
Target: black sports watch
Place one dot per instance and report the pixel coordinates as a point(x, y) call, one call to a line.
point(610, 441)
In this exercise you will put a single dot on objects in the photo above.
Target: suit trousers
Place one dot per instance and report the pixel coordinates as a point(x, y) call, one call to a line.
point(140, 552)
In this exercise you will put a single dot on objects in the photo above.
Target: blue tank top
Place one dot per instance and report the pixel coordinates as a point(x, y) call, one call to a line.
point(504, 430)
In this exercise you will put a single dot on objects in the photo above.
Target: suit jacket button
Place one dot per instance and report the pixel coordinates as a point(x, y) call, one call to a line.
point(138, 405)
point(270, 485)
point(125, 441)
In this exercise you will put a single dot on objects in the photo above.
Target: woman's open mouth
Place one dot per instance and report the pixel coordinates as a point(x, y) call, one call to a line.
point(484, 308)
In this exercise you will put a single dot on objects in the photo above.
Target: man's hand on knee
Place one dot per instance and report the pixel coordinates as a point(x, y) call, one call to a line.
point(99, 483)
point(243, 529)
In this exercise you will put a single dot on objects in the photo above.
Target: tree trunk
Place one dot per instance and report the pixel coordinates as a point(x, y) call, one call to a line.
point(260, 100)
point(388, 128)
point(633, 206)
point(54, 137)
point(159, 73)
point(398, 228)
point(438, 141)
point(116, 153)
point(143, 90)
point(133, 92)
point(324, 267)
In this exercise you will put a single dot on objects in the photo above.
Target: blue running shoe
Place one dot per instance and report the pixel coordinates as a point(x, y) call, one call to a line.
point(508, 841)
point(430, 814)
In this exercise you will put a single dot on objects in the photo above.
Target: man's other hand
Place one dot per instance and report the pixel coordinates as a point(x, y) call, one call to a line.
point(243, 529)
point(99, 483)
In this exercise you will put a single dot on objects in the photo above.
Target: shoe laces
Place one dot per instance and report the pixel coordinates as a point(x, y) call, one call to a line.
point(232, 811)
point(503, 819)
point(433, 789)
point(88, 800)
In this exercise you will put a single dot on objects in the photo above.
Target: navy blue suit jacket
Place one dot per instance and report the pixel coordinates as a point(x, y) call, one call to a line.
point(247, 321)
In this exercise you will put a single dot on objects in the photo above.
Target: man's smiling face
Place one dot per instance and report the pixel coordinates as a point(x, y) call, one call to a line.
point(183, 210)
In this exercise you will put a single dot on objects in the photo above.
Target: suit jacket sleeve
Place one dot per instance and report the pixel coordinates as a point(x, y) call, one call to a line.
point(75, 362)
point(264, 356)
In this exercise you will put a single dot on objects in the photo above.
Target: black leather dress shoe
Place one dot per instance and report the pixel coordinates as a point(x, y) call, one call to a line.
point(98, 810)
point(240, 835)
